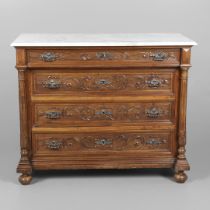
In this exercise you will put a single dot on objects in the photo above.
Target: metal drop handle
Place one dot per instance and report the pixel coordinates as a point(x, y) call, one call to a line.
point(159, 56)
point(103, 142)
point(104, 55)
point(53, 114)
point(51, 83)
point(103, 82)
point(153, 113)
point(154, 141)
point(154, 83)
point(54, 144)
point(104, 112)
point(48, 57)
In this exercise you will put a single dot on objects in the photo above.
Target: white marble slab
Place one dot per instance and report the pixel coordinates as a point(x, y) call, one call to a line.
point(143, 39)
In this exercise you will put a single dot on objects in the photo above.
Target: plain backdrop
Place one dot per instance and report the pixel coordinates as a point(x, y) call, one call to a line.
point(107, 190)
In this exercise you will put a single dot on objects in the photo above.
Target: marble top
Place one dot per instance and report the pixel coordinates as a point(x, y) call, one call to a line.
point(140, 39)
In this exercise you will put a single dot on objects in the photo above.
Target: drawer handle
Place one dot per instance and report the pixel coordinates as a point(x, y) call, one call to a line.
point(103, 82)
point(153, 113)
point(154, 141)
point(51, 83)
point(103, 142)
point(154, 83)
point(104, 112)
point(159, 56)
point(53, 115)
point(54, 144)
point(48, 57)
point(104, 55)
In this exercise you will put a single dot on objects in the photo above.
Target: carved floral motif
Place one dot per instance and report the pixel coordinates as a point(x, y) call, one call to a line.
point(106, 82)
point(143, 55)
point(94, 112)
point(106, 142)
point(155, 55)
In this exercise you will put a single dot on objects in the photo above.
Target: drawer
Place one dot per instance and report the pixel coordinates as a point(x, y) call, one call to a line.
point(103, 143)
point(115, 82)
point(98, 57)
point(100, 114)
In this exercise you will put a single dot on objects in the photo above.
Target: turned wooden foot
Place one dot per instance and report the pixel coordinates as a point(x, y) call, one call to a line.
point(180, 177)
point(25, 179)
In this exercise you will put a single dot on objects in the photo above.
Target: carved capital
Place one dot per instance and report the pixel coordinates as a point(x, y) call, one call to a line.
point(20, 58)
point(185, 67)
point(185, 56)
point(21, 68)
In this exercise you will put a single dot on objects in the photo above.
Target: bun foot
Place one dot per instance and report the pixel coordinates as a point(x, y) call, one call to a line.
point(25, 179)
point(180, 177)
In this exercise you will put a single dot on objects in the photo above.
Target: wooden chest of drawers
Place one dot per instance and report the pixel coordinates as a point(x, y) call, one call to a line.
point(95, 103)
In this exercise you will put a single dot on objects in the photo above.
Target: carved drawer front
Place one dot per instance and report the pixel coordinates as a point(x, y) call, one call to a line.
point(104, 82)
point(59, 144)
point(98, 114)
point(103, 57)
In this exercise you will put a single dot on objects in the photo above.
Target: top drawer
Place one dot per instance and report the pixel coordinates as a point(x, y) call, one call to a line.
point(110, 57)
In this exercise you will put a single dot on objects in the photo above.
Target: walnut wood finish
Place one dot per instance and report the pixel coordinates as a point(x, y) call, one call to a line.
point(103, 82)
point(102, 107)
point(97, 57)
point(182, 163)
point(24, 165)
point(70, 144)
point(102, 114)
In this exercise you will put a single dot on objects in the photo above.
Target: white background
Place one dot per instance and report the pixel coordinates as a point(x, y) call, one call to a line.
point(107, 190)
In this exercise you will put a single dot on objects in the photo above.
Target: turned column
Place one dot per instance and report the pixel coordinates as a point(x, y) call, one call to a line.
point(24, 165)
point(181, 162)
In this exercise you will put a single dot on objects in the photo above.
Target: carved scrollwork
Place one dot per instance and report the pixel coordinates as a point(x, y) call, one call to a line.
point(85, 57)
point(107, 83)
point(86, 113)
point(116, 112)
point(154, 55)
point(122, 141)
